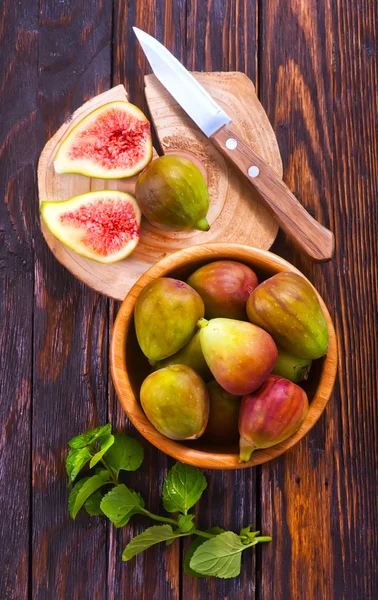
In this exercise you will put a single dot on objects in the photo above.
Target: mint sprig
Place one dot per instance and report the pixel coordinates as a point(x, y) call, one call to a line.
point(214, 552)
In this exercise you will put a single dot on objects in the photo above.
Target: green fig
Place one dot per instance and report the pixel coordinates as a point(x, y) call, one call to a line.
point(239, 354)
point(222, 426)
point(291, 367)
point(172, 193)
point(165, 315)
point(176, 402)
point(287, 306)
point(191, 356)
point(224, 287)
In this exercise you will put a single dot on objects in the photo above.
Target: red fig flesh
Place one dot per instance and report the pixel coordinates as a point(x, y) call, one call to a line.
point(270, 415)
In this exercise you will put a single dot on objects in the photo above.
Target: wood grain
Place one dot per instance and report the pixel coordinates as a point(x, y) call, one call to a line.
point(235, 212)
point(70, 374)
point(319, 501)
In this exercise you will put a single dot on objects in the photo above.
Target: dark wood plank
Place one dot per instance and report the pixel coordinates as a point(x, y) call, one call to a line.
point(317, 82)
point(155, 574)
point(222, 36)
point(70, 324)
point(18, 143)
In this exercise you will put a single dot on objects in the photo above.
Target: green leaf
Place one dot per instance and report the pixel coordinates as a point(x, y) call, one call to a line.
point(220, 556)
point(183, 487)
point(198, 541)
point(74, 492)
point(126, 454)
point(90, 485)
point(105, 443)
point(76, 459)
point(185, 522)
point(92, 505)
point(151, 536)
point(120, 504)
point(90, 436)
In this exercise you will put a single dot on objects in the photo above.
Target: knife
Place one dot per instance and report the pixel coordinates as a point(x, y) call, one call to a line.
point(311, 237)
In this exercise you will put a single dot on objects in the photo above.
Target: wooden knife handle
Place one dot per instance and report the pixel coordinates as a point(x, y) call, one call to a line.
point(314, 239)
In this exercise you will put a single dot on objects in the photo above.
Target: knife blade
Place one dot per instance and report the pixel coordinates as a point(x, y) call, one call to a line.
point(313, 238)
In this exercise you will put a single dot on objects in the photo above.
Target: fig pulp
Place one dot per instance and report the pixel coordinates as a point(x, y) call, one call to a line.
point(111, 142)
point(287, 307)
point(165, 315)
point(224, 287)
point(172, 193)
point(222, 426)
point(103, 225)
point(176, 402)
point(291, 367)
point(239, 354)
point(191, 356)
point(270, 415)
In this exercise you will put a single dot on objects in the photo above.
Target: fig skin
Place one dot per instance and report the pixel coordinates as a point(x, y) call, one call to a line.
point(176, 402)
point(291, 367)
point(222, 426)
point(224, 287)
point(172, 193)
point(165, 316)
point(270, 415)
point(191, 356)
point(287, 307)
point(240, 355)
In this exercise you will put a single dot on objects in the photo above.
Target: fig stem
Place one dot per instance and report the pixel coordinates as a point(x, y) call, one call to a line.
point(201, 323)
point(246, 450)
point(203, 225)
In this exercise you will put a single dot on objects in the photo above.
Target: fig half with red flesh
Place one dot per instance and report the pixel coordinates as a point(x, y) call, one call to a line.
point(102, 225)
point(111, 142)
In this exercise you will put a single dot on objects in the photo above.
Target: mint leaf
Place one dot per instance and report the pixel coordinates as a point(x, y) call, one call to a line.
point(90, 485)
point(220, 556)
point(92, 505)
point(151, 536)
point(90, 436)
point(198, 541)
point(185, 522)
point(74, 492)
point(126, 454)
point(75, 461)
point(105, 443)
point(183, 487)
point(247, 536)
point(120, 504)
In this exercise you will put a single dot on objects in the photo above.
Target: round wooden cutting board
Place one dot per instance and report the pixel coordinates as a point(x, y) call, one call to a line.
point(235, 213)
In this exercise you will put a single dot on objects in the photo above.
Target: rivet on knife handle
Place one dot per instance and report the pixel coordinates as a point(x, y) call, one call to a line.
point(314, 239)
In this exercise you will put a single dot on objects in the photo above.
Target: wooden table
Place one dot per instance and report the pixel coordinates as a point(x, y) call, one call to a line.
point(315, 66)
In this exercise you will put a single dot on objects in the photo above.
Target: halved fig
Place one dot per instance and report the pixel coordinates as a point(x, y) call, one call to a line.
point(111, 142)
point(102, 225)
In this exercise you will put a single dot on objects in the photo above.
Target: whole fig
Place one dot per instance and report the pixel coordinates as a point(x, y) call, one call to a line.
point(287, 306)
point(222, 426)
point(191, 356)
point(270, 415)
point(291, 367)
point(176, 402)
point(165, 315)
point(224, 287)
point(172, 192)
point(239, 354)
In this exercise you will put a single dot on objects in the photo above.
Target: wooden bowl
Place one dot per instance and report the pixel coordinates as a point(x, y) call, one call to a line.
point(129, 367)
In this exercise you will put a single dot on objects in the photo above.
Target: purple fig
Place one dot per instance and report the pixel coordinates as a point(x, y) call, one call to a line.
point(287, 306)
point(224, 286)
point(239, 354)
point(222, 426)
point(176, 402)
point(270, 415)
point(165, 315)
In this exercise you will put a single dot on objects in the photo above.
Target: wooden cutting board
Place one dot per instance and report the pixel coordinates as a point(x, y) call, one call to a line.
point(235, 213)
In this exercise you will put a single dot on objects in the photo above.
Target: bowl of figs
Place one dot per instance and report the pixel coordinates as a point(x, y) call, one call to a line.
point(223, 356)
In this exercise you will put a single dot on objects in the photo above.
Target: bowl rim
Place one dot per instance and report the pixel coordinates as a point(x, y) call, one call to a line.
point(213, 251)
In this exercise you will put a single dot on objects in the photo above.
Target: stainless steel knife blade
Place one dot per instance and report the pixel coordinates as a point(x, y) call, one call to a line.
point(193, 98)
